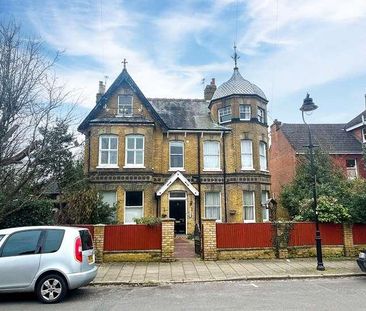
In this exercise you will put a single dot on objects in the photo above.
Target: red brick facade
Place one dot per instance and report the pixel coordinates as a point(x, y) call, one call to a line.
point(283, 160)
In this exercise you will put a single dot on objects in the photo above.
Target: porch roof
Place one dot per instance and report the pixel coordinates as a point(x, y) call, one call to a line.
point(172, 179)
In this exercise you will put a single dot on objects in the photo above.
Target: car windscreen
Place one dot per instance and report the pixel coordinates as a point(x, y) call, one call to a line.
point(86, 240)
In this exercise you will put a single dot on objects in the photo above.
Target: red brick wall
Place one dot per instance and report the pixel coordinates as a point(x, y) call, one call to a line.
point(282, 161)
point(358, 134)
point(340, 160)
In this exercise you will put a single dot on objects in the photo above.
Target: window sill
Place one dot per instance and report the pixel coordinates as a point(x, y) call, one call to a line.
point(244, 119)
point(212, 170)
point(134, 166)
point(107, 166)
point(248, 169)
point(265, 171)
point(176, 169)
point(249, 221)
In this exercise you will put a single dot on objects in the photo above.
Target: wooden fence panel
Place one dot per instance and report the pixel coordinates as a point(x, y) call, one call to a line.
point(359, 234)
point(132, 237)
point(303, 234)
point(244, 235)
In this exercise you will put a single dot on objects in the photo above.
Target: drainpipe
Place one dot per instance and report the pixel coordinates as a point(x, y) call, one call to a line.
point(89, 149)
point(224, 171)
point(199, 178)
point(157, 205)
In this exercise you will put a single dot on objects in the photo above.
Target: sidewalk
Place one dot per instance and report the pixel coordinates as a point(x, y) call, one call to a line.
point(195, 270)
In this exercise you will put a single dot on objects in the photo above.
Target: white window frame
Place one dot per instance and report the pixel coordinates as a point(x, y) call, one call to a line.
point(363, 133)
point(172, 142)
point(242, 107)
point(264, 205)
point(134, 165)
point(208, 155)
point(355, 169)
point(261, 114)
point(244, 206)
point(136, 206)
point(263, 156)
point(242, 154)
point(217, 220)
point(107, 165)
point(224, 111)
point(121, 113)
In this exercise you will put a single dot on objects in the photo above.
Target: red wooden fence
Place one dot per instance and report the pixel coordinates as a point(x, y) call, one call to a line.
point(132, 237)
point(303, 234)
point(359, 234)
point(243, 235)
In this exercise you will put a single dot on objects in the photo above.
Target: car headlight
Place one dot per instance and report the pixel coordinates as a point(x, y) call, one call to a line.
point(362, 255)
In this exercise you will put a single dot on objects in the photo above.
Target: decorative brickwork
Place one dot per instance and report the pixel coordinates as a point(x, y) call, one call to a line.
point(167, 241)
point(209, 247)
point(99, 242)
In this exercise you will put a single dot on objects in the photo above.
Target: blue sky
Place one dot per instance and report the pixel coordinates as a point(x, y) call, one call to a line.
point(287, 47)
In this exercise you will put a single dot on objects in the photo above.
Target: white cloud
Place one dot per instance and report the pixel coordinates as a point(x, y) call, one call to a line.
point(290, 45)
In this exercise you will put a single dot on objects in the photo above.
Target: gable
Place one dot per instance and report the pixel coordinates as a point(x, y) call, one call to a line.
point(106, 111)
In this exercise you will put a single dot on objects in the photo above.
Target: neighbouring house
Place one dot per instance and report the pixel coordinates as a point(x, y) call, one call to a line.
point(186, 159)
point(343, 142)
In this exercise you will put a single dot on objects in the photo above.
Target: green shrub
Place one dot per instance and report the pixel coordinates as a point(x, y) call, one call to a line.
point(30, 213)
point(148, 220)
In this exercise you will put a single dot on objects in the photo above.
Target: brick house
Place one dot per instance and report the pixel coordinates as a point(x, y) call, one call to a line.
point(343, 142)
point(186, 159)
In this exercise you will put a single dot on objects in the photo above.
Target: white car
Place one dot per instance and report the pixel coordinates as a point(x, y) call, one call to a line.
point(46, 260)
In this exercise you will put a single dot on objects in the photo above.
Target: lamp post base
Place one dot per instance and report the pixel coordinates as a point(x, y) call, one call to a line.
point(320, 267)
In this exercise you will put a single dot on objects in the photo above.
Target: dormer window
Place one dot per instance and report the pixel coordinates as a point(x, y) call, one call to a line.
point(245, 112)
point(261, 115)
point(224, 114)
point(125, 105)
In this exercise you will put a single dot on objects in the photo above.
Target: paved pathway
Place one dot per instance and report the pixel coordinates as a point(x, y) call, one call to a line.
point(193, 270)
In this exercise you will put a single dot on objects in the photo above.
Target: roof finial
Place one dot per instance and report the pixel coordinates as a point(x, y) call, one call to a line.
point(124, 63)
point(235, 57)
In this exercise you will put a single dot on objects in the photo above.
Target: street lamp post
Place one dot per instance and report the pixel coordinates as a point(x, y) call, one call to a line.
point(308, 106)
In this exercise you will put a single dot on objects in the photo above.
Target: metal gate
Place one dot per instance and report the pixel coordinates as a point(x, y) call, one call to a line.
point(197, 240)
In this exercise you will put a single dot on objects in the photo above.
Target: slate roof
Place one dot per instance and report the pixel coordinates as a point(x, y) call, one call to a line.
point(330, 137)
point(123, 78)
point(185, 114)
point(237, 85)
point(356, 120)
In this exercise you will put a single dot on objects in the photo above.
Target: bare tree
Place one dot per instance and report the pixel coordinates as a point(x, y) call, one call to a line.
point(30, 101)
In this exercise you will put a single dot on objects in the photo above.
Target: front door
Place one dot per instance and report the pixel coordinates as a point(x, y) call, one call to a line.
point(177, 210)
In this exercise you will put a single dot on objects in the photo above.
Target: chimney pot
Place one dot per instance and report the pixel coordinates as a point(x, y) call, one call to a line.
point(101, 90)
point(210, 90)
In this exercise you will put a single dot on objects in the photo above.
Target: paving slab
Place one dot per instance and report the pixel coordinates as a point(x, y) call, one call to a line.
point(196, 270)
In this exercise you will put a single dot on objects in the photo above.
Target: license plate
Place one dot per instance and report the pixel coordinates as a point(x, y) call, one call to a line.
point(91, 259)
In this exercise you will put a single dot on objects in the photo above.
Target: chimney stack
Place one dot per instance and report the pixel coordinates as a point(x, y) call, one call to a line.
point(210, 90)
point(101, 90)
point(277, 124)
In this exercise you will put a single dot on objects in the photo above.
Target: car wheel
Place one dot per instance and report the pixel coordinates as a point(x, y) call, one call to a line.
point(51, 288)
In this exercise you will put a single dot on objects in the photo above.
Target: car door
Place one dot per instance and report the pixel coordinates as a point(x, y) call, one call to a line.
point(20, 259)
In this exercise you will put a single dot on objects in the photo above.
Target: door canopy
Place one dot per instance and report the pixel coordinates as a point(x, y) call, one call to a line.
point(172, 179)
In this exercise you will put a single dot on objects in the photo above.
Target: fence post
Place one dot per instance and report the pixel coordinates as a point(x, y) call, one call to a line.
point(209, 246)
point(167, 239)
point(348, 239)
point(99, 242)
